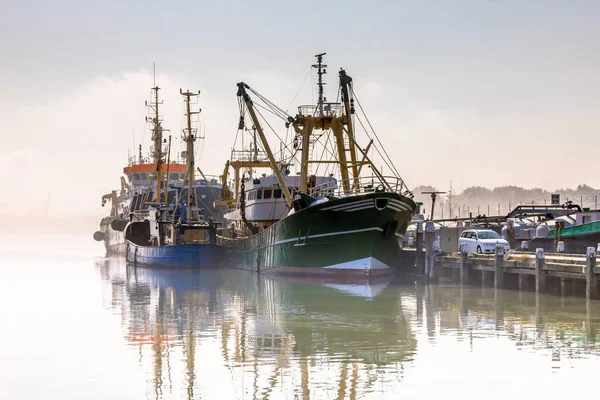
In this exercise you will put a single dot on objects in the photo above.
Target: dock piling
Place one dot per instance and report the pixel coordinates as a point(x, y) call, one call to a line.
point(429, 254)
point(464, 268)
point(499, 266)
point(540, 273)
point(591, 280)
point(419, 247)
point(522, 281)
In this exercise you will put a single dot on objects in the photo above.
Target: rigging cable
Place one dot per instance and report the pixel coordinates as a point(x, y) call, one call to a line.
point(377, 137)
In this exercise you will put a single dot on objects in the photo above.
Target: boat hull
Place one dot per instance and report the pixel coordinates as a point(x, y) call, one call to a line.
point(356, 236)
point(114, 241)
point(186, 255)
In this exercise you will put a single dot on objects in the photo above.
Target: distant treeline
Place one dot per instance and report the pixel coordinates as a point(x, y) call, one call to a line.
point(479, 200)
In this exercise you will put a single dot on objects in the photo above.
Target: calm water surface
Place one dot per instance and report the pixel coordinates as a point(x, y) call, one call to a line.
point(77, 325)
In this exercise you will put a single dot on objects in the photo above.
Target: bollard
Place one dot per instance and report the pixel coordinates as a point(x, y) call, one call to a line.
point(464, 268)
point(524, 245)
point(591, 280)
point(560, 247)
point(540, 274)
point(499, 264)
point(429, 254)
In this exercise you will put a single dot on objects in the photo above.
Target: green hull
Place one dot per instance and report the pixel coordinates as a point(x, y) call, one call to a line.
point(352, 236)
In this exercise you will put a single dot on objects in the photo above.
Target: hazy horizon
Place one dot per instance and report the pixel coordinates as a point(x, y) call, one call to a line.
point(479, 93)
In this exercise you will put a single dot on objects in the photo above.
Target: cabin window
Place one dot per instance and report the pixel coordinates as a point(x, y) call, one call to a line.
point(268, 193)
point(277, 193)
point(259, 194)
point(136, 177)
point(144, 176)
point(587, 219)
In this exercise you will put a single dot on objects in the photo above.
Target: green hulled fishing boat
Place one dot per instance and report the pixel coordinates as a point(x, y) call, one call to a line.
point(339, 215)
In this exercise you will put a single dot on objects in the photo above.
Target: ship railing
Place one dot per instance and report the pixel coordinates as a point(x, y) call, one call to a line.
point(329, 109)
point(361, 185)
point(140, 215)
point(248, 156)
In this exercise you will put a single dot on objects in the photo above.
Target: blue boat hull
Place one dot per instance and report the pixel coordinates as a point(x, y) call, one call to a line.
point(185, 255)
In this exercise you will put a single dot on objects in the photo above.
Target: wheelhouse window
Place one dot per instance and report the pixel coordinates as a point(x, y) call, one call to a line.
point(259, 194)
point(277, 194)
point(268, 193)
point(144, 176)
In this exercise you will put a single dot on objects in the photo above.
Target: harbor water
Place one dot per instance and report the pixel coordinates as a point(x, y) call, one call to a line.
point(79, 325)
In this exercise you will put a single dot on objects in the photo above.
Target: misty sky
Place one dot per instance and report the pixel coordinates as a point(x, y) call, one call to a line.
point(478, 92)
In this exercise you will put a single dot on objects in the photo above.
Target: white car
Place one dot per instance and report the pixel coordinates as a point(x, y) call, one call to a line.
point(481, 241)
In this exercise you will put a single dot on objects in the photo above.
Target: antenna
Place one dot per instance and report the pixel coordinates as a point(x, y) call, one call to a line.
point(154, 72)
point(320, 72)
point(450, 199)
point(433, 197)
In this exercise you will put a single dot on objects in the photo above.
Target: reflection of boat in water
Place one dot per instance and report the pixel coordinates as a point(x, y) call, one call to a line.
point(230, 334)
point(271, 322)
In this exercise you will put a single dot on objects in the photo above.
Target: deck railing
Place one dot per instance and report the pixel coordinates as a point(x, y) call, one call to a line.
point(364, 184)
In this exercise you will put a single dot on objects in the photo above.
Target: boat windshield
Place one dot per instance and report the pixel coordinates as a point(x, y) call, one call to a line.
point(488, 235)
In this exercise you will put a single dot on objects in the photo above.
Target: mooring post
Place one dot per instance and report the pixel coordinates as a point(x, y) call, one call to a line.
point(429, 254)
point(522, 278)
point(498, 266)
point(591, 280)
point(419, 247)
point(464, 268)
point(540, 274)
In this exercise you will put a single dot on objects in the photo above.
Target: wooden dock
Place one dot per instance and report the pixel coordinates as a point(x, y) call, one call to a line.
point(522, 270)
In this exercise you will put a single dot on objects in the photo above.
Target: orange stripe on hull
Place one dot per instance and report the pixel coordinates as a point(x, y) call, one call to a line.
point(152, 168)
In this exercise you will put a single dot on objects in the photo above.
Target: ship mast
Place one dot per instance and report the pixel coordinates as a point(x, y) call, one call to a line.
point(157, 138)
point(189, 136)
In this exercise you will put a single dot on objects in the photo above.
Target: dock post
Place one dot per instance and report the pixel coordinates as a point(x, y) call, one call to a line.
point(464, 268)
point(498, 266)
point(591, 280)
point(429, 254)
point(419, 247)
point(540, 274)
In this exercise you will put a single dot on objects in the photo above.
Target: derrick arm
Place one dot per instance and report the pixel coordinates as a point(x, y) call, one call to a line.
point(124, 187)
point(112, 197)
point(225, 193)
point(246, 98)
point(345, 82)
